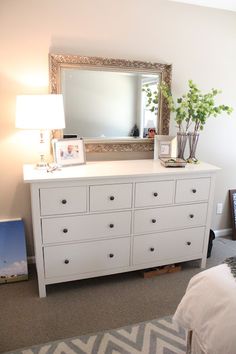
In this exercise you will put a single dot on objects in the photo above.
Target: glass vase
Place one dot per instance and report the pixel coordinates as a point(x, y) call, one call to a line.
point(181, 144)
point(193, 141)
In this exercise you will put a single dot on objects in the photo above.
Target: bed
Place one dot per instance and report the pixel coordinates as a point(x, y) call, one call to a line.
point(208, 311)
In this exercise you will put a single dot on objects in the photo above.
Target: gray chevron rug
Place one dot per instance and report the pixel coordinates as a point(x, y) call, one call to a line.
point(152, 337)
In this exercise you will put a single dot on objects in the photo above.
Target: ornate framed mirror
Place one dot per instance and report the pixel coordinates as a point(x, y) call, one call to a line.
point(109, 102)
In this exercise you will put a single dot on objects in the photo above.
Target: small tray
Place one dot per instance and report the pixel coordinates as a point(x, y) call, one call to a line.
point(173, 162)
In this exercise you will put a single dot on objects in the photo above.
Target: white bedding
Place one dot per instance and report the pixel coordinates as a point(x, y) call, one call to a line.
point(208, 308)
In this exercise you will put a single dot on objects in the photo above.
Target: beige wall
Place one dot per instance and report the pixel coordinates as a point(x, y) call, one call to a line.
point(199, 42)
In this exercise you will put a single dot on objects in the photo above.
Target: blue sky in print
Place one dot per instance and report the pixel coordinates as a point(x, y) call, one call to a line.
point(12, 248)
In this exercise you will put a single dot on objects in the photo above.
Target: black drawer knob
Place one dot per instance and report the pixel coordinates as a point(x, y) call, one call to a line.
point(154, 221)
point(111, 226)
point(194, 190)
point(152, 249)
point(155, 194)
point(112, 197)
point(188, 243)
point(191, 216)
point(65, 231)
point(66, 261)
point(111, 255)
point(64, 201)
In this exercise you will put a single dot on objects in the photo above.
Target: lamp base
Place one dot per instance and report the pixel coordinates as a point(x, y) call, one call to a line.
point(42, 164)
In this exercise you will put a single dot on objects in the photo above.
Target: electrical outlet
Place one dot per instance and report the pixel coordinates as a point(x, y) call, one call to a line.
point(219, 208)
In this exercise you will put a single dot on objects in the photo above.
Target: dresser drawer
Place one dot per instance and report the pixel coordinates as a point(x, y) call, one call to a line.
point(151, 220)
point(168, 246)
point(110, 197)
point(192, 190)
point(64, 260)
point(154, 193)
point(62, 200)
point(81, 227)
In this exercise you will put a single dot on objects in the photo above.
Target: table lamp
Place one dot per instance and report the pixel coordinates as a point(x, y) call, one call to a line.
point(41, 112)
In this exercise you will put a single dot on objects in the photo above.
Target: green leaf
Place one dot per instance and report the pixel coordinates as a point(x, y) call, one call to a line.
point(193, 106)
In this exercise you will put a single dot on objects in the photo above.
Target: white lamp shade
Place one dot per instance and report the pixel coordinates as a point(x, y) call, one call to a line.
point(40, 112)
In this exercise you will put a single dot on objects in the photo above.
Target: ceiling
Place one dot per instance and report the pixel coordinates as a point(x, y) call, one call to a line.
point(217, 4)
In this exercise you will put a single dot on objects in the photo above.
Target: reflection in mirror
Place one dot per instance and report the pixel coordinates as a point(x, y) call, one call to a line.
point(109, 104)
point(111, 101)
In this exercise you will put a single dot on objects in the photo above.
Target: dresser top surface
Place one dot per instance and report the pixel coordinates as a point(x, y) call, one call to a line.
point(113, 169)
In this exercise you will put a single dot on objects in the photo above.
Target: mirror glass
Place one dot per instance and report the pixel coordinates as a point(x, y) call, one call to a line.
point(111, 100)
point(109, 104)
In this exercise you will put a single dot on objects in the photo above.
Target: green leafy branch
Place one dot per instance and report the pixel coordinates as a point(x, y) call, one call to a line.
point(152, 98)
point(193, 107)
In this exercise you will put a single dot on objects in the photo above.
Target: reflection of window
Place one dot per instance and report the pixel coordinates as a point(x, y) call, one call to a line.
point(149, 104)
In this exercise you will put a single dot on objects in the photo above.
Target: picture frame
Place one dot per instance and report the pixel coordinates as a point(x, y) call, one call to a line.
point(165, 146)
point(232, 198)
point(69, 152)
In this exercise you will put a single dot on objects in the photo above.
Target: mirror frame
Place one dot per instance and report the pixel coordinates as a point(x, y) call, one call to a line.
point(59, 61)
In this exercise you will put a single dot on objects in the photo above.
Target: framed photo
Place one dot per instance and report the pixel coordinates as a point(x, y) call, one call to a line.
point(68, 152)
point(165, 146)
point(232, 198)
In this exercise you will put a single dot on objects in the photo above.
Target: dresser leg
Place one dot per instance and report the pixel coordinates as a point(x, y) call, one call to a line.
point(42, 290)
point(203, 263)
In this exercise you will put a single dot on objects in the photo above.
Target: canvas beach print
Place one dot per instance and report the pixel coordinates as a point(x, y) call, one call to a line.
point(13, 261)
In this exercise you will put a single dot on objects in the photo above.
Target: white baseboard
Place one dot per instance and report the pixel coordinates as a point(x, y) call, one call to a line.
point(223, 232)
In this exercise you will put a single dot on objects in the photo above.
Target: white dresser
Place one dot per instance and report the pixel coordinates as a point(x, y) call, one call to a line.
point(116, 216)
